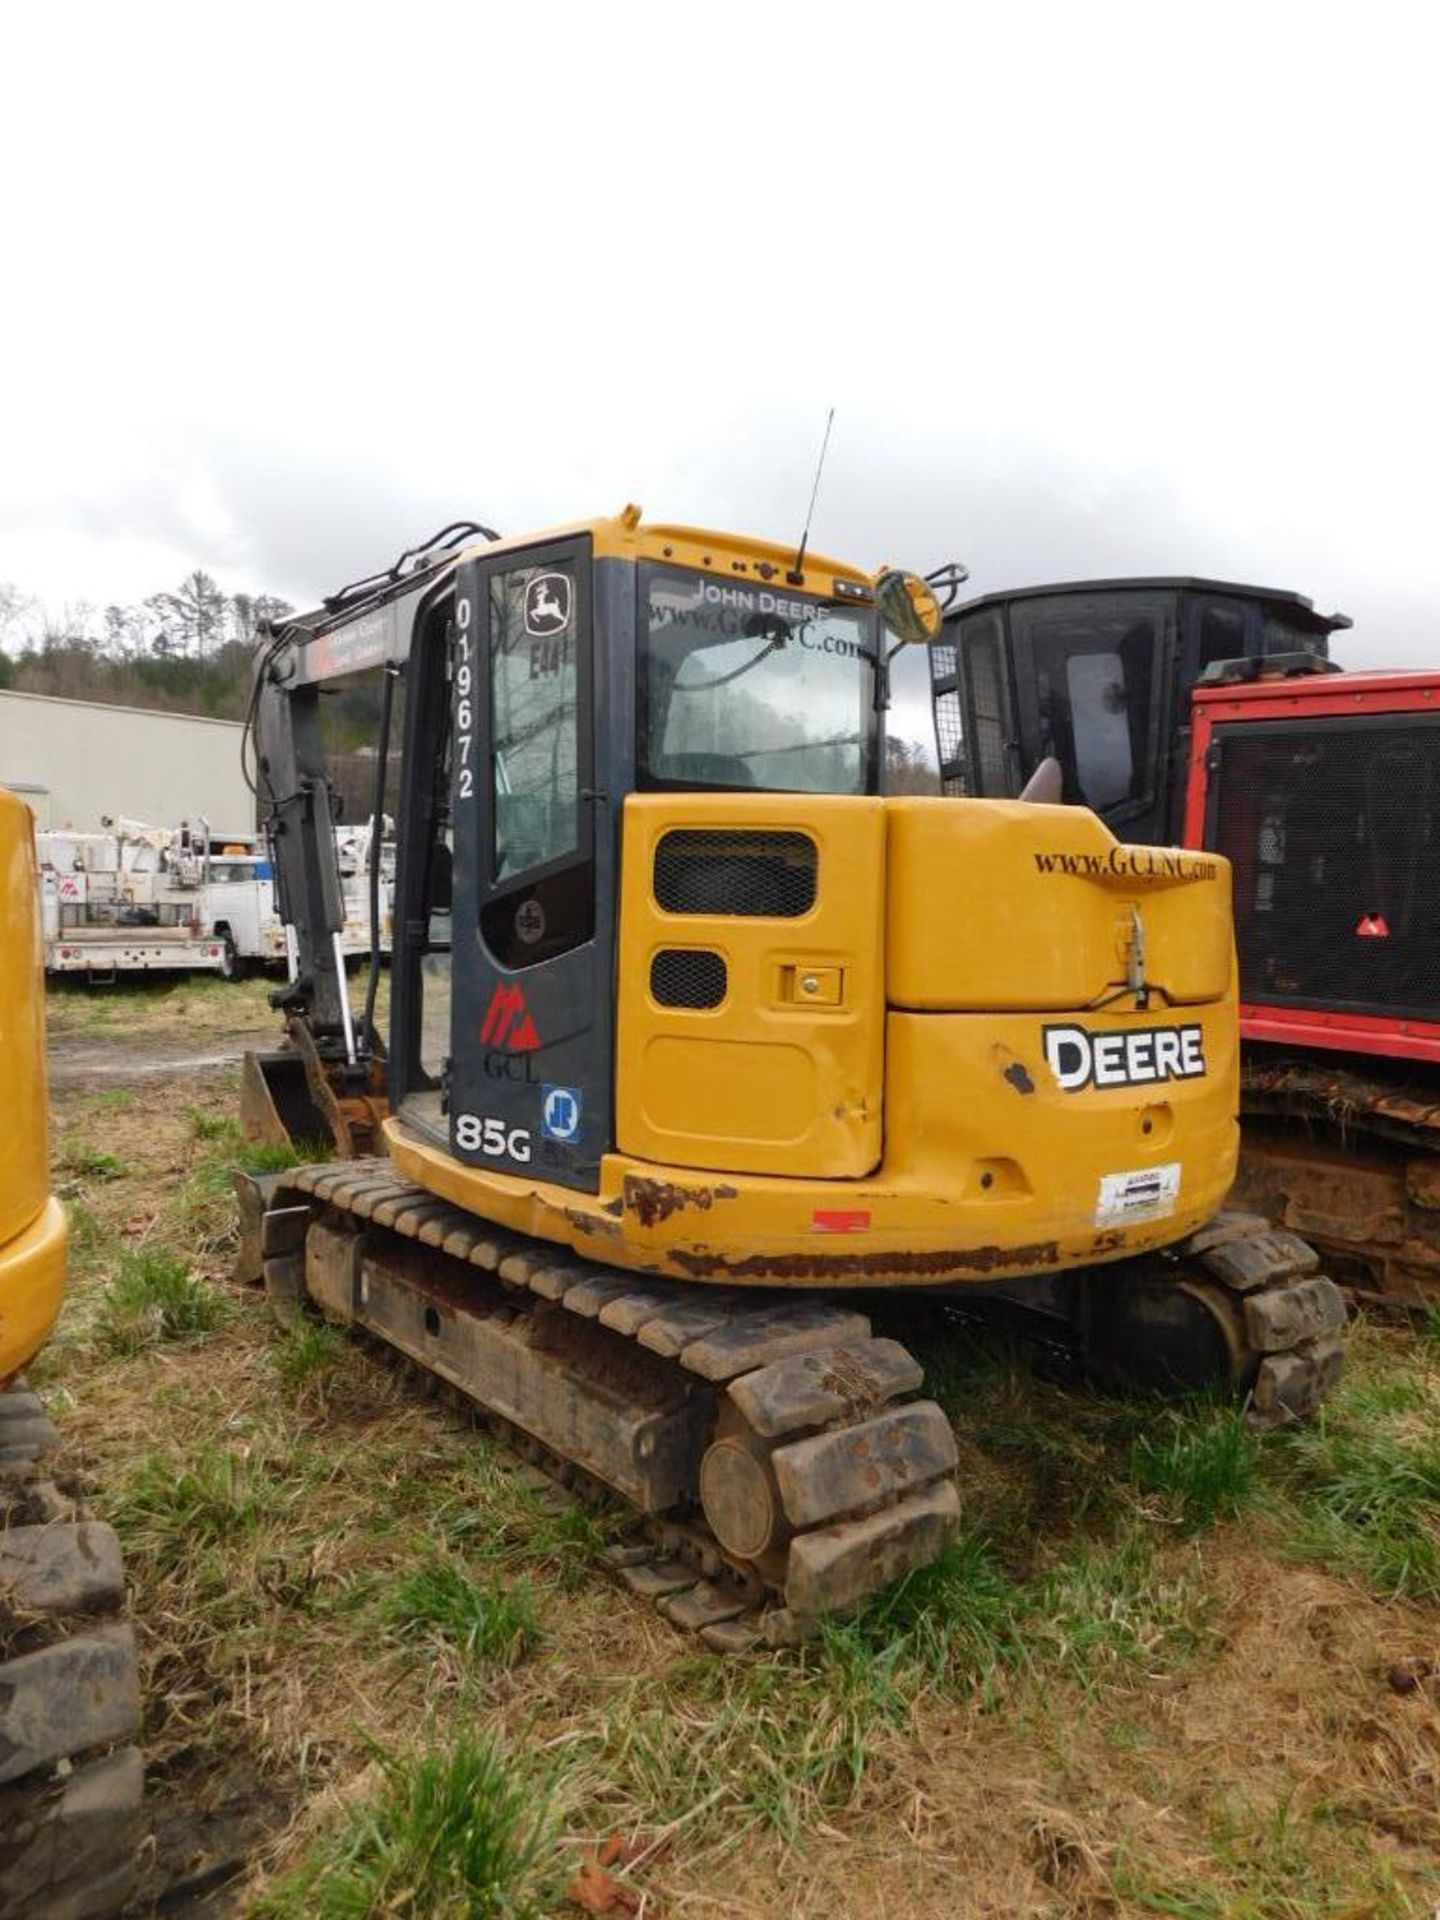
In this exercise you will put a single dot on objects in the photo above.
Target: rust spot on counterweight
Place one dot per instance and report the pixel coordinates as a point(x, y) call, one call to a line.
point(600, 1223)
point(655, 1200)
point(867, 1266)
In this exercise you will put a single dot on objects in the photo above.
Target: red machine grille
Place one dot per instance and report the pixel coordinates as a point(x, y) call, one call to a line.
point(1332, 824)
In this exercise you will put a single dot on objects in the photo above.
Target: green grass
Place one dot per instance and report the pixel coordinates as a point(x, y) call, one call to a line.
point(87, 1233)
point(505, 1522)
point(776, 1741)
point(279, 1156)
point(229, 1147)
point(154, 1297)
point(1380, 1397)
point(167, 1509)
point(307, 1352)
point(111, 1098)
point(1280, 1861)
point(783, 1741)
point(195, 1002)
point(463, 1833)
point(1204, 1462)
point(295, 1514)
point(86, 1162)
point(1368, 1504)
point(1070, 1473)
point(1105, 1607)
point(1097, 1604)
point(203, 1206)
point(1356, 1489)
point(954, 1622)
point(484, 1620)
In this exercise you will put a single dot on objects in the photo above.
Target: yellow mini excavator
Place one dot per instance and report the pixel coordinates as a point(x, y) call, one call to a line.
point(71, 1784)
point(699, 1043)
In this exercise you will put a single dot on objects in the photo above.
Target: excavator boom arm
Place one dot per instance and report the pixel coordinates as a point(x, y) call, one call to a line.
point(295, 662)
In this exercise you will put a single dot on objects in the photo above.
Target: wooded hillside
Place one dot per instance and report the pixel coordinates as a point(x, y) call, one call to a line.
point(183, 651)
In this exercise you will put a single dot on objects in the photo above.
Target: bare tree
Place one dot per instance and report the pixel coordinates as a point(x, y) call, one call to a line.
point(190, 620)
point(17, 610)
point(124, 635)
point(73, 627)
point(268, 607)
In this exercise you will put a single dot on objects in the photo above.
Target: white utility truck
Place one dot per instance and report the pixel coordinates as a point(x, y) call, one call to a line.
point(135, 898)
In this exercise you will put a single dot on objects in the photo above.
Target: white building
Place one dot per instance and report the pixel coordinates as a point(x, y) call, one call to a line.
point(74, 761)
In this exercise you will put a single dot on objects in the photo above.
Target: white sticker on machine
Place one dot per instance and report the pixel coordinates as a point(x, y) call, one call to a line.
point(1149, 1193)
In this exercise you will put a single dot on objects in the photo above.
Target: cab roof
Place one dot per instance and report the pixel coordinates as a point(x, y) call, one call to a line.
point(1294, 607)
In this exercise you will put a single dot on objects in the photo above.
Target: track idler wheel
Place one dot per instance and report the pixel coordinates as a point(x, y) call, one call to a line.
point(741, 1500)
point(1238, 1308)
point(827, 1515)
point(1155, 1333)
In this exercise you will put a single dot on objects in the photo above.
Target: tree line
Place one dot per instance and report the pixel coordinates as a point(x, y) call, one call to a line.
point(183, 651)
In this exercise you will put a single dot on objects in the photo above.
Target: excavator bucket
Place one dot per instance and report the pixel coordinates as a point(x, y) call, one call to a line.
point(276, 1105)
point(276, 1110)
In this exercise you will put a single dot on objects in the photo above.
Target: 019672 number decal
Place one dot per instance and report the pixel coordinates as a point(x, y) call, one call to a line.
point(464, 698)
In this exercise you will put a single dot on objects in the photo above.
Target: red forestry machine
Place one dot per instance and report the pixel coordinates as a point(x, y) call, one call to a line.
point(1200, 713)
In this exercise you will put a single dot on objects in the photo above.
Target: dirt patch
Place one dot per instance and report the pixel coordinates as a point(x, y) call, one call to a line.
point(165, 1026)
point(80, 1062)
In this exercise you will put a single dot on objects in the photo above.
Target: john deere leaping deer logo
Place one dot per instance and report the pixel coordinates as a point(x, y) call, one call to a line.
point(547, 604)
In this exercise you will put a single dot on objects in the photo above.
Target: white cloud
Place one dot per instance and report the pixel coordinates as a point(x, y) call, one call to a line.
point(1101, 289)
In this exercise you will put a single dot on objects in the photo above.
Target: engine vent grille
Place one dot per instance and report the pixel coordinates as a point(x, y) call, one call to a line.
point(751, 875)
point(1334, 835)
point(688, 977)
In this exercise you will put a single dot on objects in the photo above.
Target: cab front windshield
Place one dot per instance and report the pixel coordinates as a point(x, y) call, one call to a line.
point(745, 686)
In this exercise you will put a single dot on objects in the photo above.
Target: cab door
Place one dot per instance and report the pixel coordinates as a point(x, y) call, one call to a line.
point(529, 1089)
point(752, 989)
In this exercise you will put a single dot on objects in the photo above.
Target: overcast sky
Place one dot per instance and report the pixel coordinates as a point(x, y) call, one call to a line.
point(1093, 289)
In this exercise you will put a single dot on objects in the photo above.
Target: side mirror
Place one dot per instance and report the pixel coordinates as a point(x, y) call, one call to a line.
point(909, 607)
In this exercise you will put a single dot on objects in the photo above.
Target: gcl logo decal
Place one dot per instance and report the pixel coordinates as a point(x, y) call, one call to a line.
point(507, 1022)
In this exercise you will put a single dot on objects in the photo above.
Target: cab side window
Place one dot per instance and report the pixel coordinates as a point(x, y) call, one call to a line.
point(535, 703)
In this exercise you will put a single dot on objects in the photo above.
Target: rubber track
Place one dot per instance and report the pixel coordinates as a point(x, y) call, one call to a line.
point(71, 1784)
point(1285, 1319)
point(1283, 1322)
point(726, 1340)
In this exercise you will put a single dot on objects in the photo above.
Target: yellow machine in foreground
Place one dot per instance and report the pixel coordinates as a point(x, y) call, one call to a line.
point(32, 1221)
point(699, 1043)
point(70, 1790)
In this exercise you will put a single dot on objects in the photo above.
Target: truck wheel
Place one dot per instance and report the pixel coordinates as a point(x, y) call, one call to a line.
point(231, 965)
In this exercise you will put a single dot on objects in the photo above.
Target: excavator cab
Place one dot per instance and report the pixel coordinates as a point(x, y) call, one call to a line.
point(547, 683)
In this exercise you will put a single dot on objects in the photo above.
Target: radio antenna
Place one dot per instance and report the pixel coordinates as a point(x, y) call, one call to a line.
point(796, 575)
